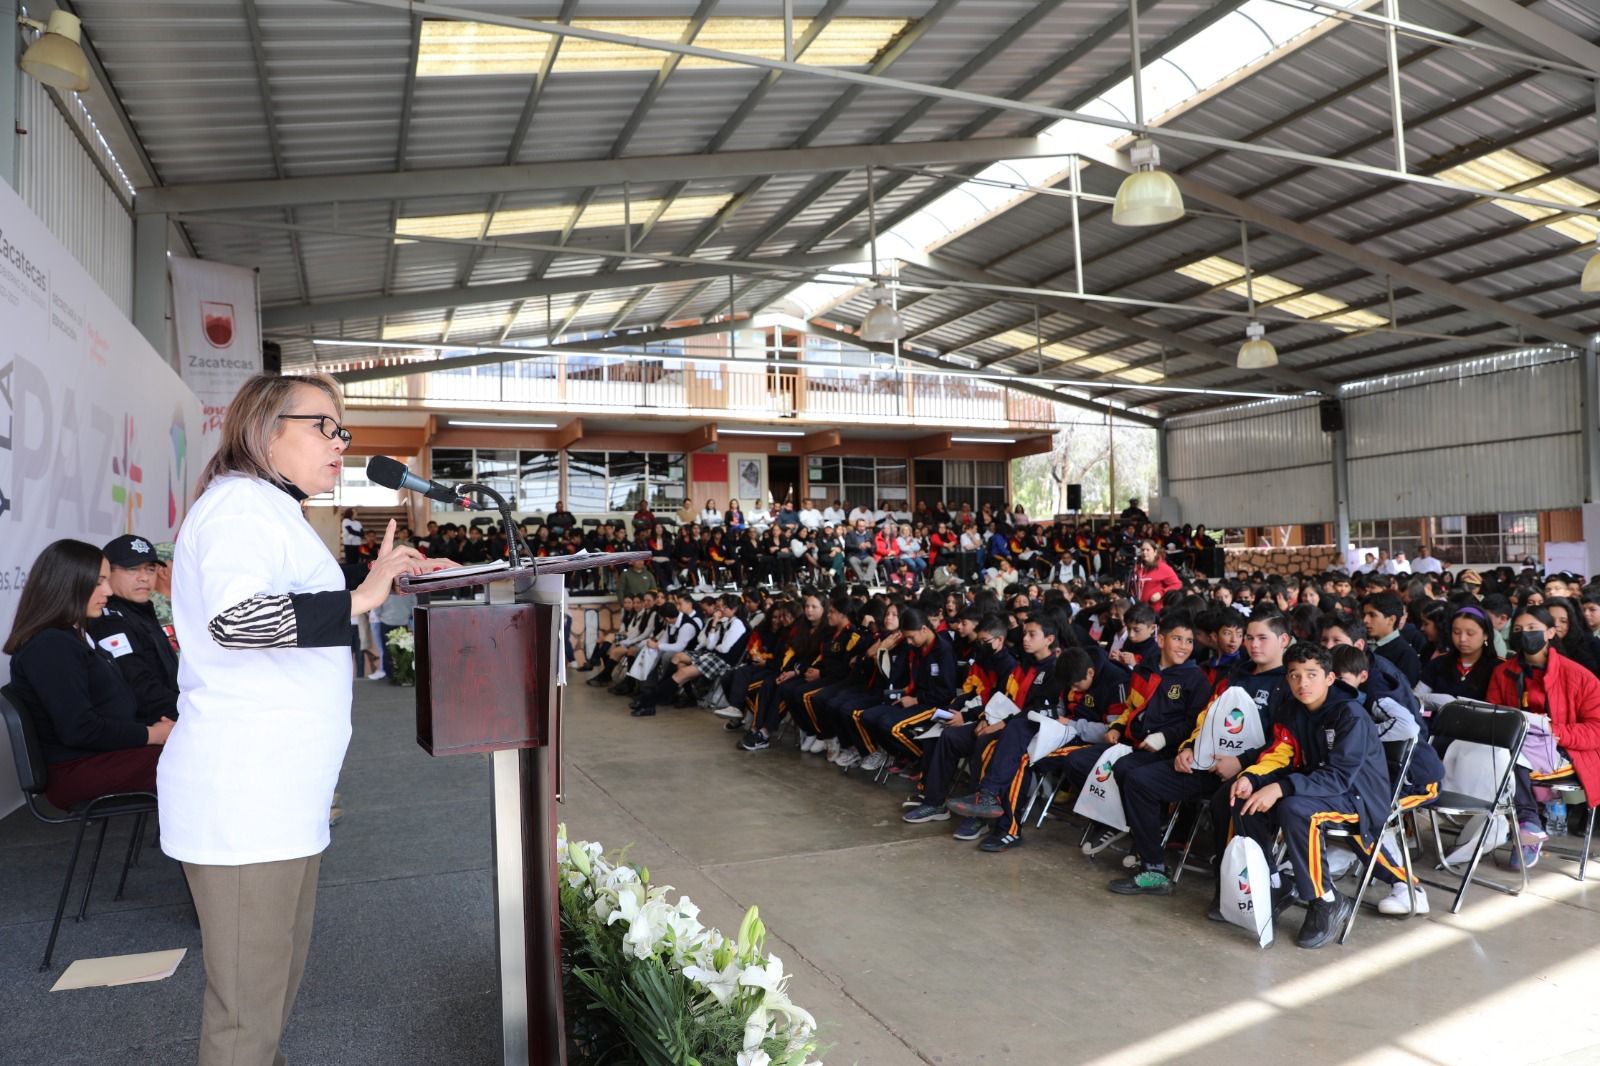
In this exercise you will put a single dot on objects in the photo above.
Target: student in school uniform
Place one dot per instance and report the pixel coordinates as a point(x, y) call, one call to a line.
point(1146, 789)
point(1382, 613)
point(890, 728)
point(762, 660)
point(1323, 766)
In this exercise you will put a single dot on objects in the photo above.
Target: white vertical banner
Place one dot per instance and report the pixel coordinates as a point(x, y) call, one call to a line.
point(98, 437)
point(218, 325)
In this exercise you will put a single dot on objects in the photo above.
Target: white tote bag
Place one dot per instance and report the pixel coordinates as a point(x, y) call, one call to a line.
point(1232, 727)
point(1052, 734)
point(1247, 888)
point(999, 708)
point(643, 663)
point(1101, 799)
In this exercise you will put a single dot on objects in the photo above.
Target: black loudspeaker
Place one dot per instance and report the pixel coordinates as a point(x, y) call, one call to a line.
point(1074, 497)
point(1332, 416)
point(272, 358)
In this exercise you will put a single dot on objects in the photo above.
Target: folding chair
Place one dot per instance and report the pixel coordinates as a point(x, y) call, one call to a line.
point(32, 776)
point(1397, 753)
point(1574, 796)
point(1045, 787)
point(1504, 728)
point(1202, 811)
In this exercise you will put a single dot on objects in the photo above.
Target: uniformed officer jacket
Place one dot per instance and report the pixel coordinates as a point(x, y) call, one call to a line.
point(131, 635)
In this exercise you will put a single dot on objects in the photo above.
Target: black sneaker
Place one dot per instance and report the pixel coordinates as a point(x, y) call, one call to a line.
point(969, 829)
point(1282, 896)
point(643, 712)
point(754, 741)
point(927, 812)
point(598, 682)
point(997, 842)
point(980, 805)
point(913, 800)
point(1146, 882)
point(1324, 921)
point(735, 725)
point(1101, 839)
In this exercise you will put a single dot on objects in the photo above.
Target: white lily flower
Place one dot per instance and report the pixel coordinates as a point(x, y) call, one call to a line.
point(723, 984)
point(755, 1029)
point(754, 1058)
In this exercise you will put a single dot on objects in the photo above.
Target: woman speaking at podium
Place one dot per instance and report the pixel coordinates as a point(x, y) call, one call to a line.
point(247, 777)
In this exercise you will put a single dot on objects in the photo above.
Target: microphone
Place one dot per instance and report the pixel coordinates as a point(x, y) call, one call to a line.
point(382, 470)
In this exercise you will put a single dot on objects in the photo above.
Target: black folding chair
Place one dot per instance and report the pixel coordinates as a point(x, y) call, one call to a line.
point(32, 775)
point(1397, 753)
point(1502, 728)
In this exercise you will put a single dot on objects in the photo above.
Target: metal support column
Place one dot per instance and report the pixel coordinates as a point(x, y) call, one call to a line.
point(1589, 381)
point(1162, 484)
point(150, 283)
point(10, 91)
point(1341, 496)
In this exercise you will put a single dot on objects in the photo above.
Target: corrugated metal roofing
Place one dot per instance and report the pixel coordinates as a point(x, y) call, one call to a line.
point(337, 84)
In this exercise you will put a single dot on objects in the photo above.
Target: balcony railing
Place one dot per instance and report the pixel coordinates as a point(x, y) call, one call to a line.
point(641, 384)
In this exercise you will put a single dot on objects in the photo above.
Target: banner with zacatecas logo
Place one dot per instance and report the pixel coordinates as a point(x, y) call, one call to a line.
point(98, 436)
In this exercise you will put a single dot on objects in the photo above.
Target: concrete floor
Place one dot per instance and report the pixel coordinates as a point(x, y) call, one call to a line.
point(908, 946)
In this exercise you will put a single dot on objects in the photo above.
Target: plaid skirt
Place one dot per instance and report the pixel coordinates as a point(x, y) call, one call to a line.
point(712, 667)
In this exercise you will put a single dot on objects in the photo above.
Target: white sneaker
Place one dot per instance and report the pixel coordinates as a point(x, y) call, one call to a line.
point(808, 743)
point(379, 676)
point(874, 761)
point(847, 758)
point(1131, 861)
point(1398, 901)
point(833, 748)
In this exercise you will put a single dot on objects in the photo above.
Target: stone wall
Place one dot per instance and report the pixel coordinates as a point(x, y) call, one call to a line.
point(603, 612)
point(1284, 562)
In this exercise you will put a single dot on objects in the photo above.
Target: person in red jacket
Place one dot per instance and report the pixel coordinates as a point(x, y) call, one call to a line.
point(1152, 577)
point(1541, 680)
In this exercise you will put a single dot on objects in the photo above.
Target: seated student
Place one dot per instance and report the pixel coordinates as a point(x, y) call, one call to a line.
point(1385, 678)
point(1323, 765)
point(1137, 641)
point(1164, 699)
point(677, 627)
point(878, 672)
point(967, 734)
point(888, 729)
point(843, 643)
point(629, 640)
point(1542, 681)
point(1382, 613)
point(711, 657)
point(1464, 669)
point(1394, 722)
point(801, 668)
point(1035, 686)
point(762, 659)
point(602, 648)
point(128, 630)
point(1227, 641)
point(84, 714)
point(1148, 788)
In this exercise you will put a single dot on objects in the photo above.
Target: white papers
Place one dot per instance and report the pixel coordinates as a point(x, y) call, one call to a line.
point(120, 970)
point(460, 571)
point(999, 708)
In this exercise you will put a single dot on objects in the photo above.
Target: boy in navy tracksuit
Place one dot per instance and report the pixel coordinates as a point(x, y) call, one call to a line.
point(1323, 766)
point(968, 734)
point(1147, 789)
point(1164, 699)
point(1395, 722)
point(891, 727)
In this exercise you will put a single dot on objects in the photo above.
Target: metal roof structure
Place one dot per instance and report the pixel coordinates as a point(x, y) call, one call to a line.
point(587, 196)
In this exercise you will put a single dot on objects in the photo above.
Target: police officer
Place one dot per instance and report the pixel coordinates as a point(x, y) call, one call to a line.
point(130, 633)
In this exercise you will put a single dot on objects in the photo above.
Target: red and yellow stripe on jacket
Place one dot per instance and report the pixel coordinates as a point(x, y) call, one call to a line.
point(1281, 752)
point(1140, 689)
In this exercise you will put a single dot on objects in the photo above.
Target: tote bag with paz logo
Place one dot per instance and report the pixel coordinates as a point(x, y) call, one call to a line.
point(1101, 798)
point(1247, 888)
point(1232, 727)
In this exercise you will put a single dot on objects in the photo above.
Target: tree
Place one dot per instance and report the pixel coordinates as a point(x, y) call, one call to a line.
point(1082, 454)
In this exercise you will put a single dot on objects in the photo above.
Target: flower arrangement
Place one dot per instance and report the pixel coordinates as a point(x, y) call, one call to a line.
point(646, 983)
point(402, 656)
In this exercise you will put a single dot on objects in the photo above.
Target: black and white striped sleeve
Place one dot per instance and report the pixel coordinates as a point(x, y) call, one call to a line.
point(299, 620)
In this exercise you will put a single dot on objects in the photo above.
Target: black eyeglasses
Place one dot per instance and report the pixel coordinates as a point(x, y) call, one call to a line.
point(337, 432)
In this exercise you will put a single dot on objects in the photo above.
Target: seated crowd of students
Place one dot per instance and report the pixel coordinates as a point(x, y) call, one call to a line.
point(903, 682)
point(832, 546)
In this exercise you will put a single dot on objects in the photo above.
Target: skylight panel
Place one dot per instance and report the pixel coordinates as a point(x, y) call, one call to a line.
point(1218, 271)
point(465, 49)
point(553, 219)
point(1504, 169)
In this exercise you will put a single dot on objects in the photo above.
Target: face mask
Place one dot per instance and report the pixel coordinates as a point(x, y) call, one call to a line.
point(1527, 642)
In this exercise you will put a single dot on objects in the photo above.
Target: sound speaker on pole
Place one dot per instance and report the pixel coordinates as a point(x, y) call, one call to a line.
point(1074, 497)
point(1332, 416)
point(272, 358)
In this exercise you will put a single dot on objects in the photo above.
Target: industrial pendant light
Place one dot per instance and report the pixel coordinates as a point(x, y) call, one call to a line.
point(883, 324)
point(1256, 353)
point(1149, 196)
point(1591, 272)
point(57, 58)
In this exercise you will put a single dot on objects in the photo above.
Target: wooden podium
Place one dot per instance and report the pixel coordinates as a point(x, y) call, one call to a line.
point(489, 677)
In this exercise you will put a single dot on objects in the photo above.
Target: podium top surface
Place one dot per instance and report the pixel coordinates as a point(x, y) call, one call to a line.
point(441, 580)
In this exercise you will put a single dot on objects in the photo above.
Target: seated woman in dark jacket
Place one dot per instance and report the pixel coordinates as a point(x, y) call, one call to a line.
point(83, 712)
